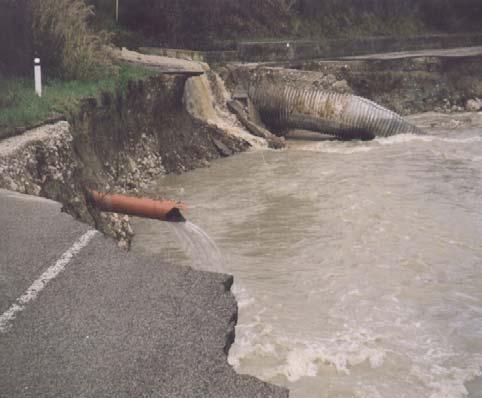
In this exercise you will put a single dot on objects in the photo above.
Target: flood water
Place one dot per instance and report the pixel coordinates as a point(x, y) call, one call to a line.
point(358, 265)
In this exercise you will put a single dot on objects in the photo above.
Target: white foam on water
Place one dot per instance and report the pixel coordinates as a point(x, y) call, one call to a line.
point(299, 358)
point(410, 355)
point(243, 298)
point(342, 352)
point(349, 148)
point(338, 147)
point(254, 339)
point(449, 382)
point(468, 140)
point(405, 138)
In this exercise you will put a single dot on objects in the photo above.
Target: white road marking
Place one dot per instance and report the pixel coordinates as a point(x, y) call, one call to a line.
point(33, 291)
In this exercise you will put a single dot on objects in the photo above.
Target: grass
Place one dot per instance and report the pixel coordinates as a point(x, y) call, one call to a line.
point(20, 107)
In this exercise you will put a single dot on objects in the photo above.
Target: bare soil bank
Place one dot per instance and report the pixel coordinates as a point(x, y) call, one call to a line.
point(410, 85)
point(125, 140)
point(119, 143)
point(404, 84)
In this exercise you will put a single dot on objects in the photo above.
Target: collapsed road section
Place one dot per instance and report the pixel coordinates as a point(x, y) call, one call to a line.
point(102, 322)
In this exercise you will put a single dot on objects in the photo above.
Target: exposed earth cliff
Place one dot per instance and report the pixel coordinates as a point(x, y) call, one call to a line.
point(120, 143)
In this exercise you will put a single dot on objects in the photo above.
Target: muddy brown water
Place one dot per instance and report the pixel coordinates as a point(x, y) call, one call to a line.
point(358, 265)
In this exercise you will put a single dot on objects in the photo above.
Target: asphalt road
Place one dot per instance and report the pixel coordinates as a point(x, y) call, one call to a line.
point(81, 318)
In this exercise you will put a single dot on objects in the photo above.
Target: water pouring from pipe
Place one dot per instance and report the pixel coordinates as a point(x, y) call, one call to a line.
point(197, 244)
point(202, 250)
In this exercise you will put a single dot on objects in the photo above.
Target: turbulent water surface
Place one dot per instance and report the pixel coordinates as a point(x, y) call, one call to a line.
point(357, 264)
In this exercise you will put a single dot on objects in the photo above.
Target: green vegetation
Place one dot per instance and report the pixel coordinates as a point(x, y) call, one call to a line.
point(76, 57)
point(61, 32)
point(73, 44)
point(352, 18)
point(215, 24)
point(72, 41)
point(21, 107)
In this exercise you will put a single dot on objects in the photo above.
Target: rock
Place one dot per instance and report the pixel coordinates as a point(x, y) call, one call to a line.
point(341, 86)
point(13, 186)
point(473, 105)
point(330, 79)
point(255, 129)
point(123, 244)
point(131, 164)
point(223, 149)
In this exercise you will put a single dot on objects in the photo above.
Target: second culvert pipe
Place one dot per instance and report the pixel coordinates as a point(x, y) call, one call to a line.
point(346, 116)
point(164, 210)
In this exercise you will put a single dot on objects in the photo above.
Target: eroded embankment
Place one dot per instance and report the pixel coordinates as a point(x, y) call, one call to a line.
point(402, 83)
point(413, 84)
point(120, 142)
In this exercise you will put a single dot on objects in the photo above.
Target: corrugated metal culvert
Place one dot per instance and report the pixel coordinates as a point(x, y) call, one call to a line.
point(284, 107)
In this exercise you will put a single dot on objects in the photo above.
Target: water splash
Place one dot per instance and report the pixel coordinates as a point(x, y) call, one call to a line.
point(340, 147)
point(404, 138)
point(355, 147)
point(204, 254)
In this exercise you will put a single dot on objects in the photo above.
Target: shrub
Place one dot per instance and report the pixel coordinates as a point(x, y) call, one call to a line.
point(63, 39)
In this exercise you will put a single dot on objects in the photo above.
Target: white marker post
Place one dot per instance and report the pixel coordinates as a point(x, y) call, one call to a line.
point(37, 76)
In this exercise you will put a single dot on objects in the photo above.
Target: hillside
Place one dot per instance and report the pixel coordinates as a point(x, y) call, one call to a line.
point(33, 26)
point(216, 24)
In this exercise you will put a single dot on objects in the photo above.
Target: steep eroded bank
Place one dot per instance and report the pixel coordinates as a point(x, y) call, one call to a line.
point(120, 142)
point(410, 85)
point(442, 81)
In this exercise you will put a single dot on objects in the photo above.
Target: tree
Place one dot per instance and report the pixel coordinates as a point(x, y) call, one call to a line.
point(65, 42)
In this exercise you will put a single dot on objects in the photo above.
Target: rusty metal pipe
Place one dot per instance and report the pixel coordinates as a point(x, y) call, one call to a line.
point(164, 210)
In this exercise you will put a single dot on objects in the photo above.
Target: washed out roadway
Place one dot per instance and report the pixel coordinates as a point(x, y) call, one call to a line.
point(90, 320)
